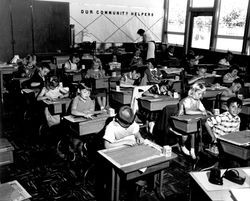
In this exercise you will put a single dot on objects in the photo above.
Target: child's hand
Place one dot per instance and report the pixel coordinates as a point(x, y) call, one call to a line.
point(88, 116)
point(209, 113)
point(155, 96)
point(130, 142)
point(139, 140)
point(204, 113)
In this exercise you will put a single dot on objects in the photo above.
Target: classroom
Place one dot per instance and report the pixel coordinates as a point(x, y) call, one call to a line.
point(114, 100)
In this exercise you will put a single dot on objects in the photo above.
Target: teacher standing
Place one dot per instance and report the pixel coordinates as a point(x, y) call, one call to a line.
point(147, 38)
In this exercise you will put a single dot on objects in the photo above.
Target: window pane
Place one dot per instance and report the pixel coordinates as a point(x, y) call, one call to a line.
point(201, 32)
point(176, 39)
point(177, 15)
point(203, 3)
point(232, 17)
point(229, 44)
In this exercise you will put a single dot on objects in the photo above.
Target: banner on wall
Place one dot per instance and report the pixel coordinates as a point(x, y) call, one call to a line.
point(115, 24)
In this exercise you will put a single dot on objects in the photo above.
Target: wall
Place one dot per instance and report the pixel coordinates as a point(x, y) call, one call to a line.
point(115, 20)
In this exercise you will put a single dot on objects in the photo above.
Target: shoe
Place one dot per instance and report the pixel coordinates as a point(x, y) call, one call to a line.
point(213, 149)
point(185, 150)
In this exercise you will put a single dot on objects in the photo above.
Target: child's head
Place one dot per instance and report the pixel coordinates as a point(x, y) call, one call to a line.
point(52, 82)
point(125, 116)
point(191, 60)
point(74, 58)
point(234, 69)
point(96, 63)
point(164, 86)
point(114, 59)
point(201, 71)
point(237, 85)
point(151, 63)
point(44, 69)
point(229, 56)
point(234, 105)
point(197, 90)
point(84, 91)
point(137, 52)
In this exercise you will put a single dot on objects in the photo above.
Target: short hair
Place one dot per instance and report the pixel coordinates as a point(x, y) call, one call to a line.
point(239, 81)
point(196, 87)
point(84, 86)
point(152, 61)
point(43, 65)
point(234, 67)
point(140, 31)
point(234, 100)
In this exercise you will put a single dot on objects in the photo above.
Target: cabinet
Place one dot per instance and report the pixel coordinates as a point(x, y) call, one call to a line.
point(31, 26)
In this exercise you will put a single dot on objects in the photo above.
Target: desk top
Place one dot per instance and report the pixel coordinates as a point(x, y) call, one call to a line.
point(220, 192)
point(159, 99)
point(57, 101)
point(133, 158)
point(189, 118)
point(241, 138)
point(97, 116)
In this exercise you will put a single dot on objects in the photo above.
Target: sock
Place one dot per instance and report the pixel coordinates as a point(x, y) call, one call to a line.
point(192, 153)
point(185, 150)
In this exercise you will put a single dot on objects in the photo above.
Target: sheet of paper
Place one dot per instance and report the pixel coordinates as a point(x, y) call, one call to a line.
point(242, 194)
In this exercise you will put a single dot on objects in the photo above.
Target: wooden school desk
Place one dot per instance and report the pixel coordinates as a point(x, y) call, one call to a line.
point(58, 106)
point(237, 144)
point(73, 76)
point(83, 126)
point(187, 123)
point(5, 69)
point(155, 104)
point(202, 189)
point(123, 96)
point(127, 162)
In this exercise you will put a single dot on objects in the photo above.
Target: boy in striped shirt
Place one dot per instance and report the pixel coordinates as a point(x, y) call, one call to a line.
point(224, 123)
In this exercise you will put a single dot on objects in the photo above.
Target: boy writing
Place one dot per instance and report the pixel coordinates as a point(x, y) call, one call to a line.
point(224, 123)
point(123, 130)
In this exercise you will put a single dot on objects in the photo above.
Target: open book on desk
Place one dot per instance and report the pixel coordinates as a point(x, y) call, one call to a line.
point(13, 191)
point(77, 119)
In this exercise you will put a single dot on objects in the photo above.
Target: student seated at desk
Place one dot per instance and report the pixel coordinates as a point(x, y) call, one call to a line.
point(224, 123)
point(226, 61)
point(82, 104)
point(133, 78)
point(137, 59)
point(201, 76)
point(164, 88)
point(152, 73)
point(97, 72)
point(39, 76)
point(192, 105)
point(233, 89)
point(52, 91)
point(27, 66)
point(232, 74)
point(71, 65)
point(122, 130)
point(114, 64)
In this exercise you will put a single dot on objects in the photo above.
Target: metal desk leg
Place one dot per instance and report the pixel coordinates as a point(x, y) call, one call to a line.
point(161, 174)
point(113, 185)
point(117, 189)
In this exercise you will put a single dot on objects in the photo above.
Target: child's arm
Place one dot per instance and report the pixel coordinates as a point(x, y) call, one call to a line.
point(210, 132)
point(42, 95)
point(75, 112)
point(125, 142)
point(139, 138)
point(194, 79)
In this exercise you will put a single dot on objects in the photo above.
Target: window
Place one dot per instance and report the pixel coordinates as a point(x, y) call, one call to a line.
point(176, 21)
point(203, 3)
point(231, 25)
